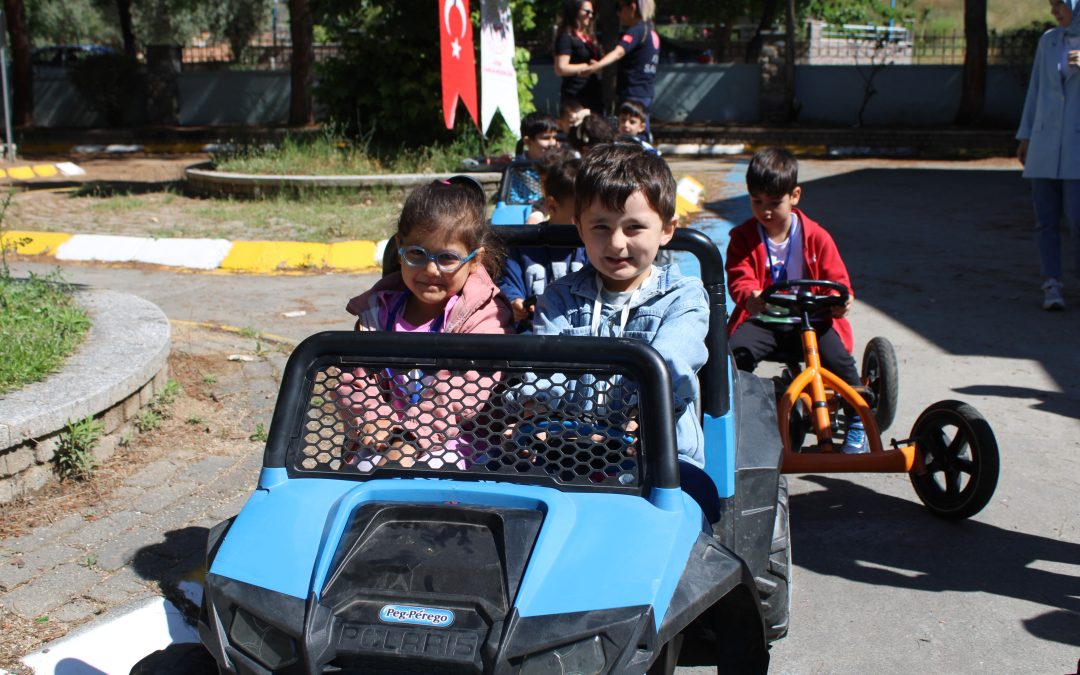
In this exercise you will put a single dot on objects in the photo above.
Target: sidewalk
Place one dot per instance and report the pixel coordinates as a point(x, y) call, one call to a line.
point(150, 533)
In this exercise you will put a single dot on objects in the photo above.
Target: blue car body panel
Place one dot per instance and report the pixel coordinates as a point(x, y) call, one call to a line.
point(589, 554)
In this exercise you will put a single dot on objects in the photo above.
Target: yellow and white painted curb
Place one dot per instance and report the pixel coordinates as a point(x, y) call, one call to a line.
point(35, 171)
point(258, 257)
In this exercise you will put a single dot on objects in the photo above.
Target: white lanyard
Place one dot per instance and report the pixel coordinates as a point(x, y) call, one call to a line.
point(624, 314)
point(781, 274)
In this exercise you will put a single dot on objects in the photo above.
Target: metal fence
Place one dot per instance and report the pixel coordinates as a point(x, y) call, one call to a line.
point(816, 44)
point(266, 53)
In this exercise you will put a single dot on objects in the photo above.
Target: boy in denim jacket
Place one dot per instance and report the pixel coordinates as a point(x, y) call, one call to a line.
point(624, 212)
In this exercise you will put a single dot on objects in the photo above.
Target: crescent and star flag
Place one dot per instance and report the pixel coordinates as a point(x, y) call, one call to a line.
point(458, 60)
point(498, 80)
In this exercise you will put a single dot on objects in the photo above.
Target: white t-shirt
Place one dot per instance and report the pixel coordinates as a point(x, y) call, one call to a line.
point(785, 262)
point(787, 256)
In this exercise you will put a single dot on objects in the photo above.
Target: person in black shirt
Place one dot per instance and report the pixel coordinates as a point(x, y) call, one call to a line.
point(637, 53)
point(575, 49)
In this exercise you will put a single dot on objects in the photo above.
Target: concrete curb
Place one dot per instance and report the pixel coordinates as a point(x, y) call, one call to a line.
point(200, 179)
point(127, 345)
point(256, 257)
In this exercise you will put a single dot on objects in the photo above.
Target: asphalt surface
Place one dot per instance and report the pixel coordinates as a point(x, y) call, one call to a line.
point(942, 263)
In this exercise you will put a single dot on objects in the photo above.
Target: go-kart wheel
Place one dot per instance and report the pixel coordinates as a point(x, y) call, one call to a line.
point(961, 457)
point(798, 424)
point(774, 585)
point(880, 375)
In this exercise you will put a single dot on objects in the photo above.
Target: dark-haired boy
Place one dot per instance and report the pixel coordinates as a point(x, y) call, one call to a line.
point(538, 136)
point(529, 270)
point(781, 243)
point(633, 127)
point(624, 212)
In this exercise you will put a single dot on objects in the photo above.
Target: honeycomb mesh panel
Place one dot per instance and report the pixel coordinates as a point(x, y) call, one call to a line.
point(561, 427)
point(524, 185)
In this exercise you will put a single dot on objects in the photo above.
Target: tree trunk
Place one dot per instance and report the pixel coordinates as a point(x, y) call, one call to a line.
point(22, 84)
point(301, 26)
point(789, 58)
point(973, 80)
point(123, 10)
point(768, 16)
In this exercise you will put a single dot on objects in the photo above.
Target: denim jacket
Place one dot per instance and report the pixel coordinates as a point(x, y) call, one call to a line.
point(671, 313)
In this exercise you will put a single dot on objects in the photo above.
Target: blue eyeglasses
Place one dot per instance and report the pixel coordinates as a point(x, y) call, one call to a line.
point(447, 262)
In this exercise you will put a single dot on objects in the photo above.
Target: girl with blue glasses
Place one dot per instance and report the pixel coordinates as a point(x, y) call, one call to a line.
point(449, 256)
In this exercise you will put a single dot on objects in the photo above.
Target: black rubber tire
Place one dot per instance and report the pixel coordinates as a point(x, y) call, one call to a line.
point(774, 585)
point(798, 425)
point(177, 659)
point(880, 375)
point(956, 442)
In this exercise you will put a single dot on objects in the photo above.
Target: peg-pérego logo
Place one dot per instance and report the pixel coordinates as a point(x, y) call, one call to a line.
point(420, 616)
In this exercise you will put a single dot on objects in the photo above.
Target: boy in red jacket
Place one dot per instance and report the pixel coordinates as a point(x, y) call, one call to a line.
point(780, 243)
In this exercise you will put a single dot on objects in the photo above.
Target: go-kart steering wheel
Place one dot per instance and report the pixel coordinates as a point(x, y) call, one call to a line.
point(803, 299)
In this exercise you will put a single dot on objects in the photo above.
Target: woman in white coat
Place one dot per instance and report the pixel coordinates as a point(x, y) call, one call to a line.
point(1049, 149)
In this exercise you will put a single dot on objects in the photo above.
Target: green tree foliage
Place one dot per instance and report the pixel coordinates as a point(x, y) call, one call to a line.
point(60, 22)
point(154, 21)
point(858, 11)
point(386, 83)
point(240, 21)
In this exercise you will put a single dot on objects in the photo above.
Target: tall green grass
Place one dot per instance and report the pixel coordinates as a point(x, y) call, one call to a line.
point(330, 153)
point(40, 325)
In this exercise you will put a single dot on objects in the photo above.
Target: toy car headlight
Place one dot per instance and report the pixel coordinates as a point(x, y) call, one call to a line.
point(585, 657)
point(261, 641)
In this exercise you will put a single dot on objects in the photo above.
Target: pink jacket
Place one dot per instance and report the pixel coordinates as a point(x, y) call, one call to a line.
point(414, 417)
point(481, 308)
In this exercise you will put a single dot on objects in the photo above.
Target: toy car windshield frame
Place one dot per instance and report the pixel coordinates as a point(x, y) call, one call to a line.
point(305, 411)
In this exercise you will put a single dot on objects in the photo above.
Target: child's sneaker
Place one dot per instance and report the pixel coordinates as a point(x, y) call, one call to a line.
point(855, 441)
point(1052, 299)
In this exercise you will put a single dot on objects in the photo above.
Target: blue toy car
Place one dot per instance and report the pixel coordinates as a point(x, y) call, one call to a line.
point(442, 503)
point(519, 192)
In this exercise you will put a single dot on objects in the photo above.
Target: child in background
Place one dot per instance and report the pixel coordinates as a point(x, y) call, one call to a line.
point(781, 243)
point(449, 256)
point(593, 130)
point(538, 136)
point(528, 270)
point(625, 211)
point(571, 113)
point(632, 117)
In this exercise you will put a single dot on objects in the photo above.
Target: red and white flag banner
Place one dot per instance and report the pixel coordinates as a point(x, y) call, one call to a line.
point(458, 59)
point(498, 80)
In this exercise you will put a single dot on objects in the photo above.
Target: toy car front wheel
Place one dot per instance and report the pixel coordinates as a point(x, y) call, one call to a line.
point(774, 585)
point(961, 458)
point(879, 374)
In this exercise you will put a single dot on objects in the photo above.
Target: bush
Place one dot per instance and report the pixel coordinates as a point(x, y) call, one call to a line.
point(75, 452)
point(386, 79)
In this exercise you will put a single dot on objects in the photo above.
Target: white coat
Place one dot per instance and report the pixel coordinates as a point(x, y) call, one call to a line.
point(1051, 119)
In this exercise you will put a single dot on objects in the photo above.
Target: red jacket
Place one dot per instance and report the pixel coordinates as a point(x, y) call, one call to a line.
point(748, 269)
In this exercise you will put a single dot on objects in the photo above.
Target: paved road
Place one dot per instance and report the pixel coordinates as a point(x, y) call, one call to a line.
point(943, 266)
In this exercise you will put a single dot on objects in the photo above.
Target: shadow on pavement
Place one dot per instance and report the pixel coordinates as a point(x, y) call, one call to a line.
point(852, 532)
point(182, 552)
point(115, 188)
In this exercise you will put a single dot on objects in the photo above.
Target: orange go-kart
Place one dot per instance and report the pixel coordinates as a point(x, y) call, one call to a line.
point(951, 453)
